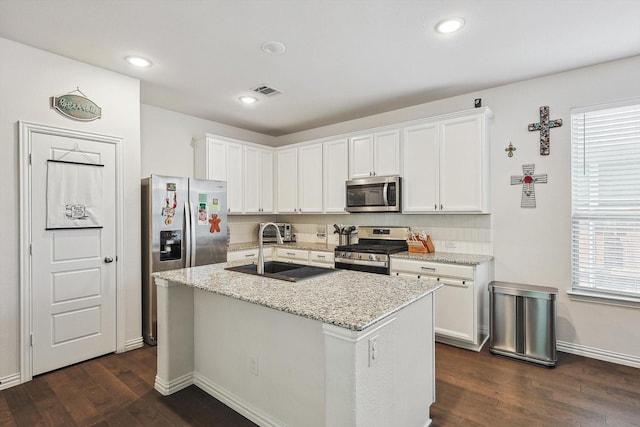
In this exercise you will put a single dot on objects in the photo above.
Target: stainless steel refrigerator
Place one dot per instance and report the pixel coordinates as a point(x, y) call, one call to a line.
point(184, 224)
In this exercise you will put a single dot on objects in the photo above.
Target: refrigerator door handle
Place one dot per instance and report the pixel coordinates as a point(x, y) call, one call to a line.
point(192, 234)
point(188, 235)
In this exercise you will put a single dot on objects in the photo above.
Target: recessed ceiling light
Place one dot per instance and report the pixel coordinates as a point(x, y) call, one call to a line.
point(451, 25)
point(138, 61)
point(248, 99)
point(273, 48)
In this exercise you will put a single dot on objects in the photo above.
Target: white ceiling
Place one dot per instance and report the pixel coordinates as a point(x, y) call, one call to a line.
point(345, 58)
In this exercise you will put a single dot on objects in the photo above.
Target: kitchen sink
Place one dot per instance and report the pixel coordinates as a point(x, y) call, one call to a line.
point(283, 270)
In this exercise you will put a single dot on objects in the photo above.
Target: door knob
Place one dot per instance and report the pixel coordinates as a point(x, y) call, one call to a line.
point(108, 259)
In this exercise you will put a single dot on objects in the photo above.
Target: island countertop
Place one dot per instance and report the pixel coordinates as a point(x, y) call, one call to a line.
point(349, 299)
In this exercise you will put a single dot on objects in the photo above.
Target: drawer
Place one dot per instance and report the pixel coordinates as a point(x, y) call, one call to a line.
point(248, 254)
point(321, 257)
point(431, 268)
point(300, 255)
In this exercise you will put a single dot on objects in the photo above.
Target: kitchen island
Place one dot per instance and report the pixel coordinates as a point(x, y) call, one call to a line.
point(341, 349)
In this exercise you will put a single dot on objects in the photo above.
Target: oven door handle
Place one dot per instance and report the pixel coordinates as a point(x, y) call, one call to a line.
point(385, 193)
point(361, 262)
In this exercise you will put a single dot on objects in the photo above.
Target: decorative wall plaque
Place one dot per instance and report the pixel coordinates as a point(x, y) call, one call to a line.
point(528, 180)
point(544, 125)
point(76, 107)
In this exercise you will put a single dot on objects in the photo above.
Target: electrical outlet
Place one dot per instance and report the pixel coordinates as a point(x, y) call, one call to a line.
point(374, 351)
point(450, 245)
point(253, 365)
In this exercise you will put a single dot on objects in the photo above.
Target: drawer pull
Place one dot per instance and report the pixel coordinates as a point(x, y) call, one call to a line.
point(321, 256)
point(291, 253)
point(427, 268)
point(249, 255)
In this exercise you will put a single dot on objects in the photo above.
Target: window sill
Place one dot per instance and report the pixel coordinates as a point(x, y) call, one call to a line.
point(603, 298)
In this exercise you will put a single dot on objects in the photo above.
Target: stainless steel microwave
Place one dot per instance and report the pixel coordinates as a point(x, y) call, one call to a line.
point(376, 194)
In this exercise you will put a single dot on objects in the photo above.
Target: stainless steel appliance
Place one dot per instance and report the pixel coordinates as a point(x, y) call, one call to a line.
point(377, 194)
point(184, 224)
point(371, 253)
point(286, 232)
point(523, 322)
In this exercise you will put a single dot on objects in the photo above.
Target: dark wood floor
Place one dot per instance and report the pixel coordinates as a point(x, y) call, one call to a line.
point(472, 389)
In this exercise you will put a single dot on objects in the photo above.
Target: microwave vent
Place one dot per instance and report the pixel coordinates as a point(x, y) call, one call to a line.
point(266, 90)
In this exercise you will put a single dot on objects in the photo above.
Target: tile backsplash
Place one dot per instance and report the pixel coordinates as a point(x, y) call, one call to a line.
point(449, 233)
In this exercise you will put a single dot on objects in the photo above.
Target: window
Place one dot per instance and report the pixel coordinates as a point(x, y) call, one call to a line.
point(605, 208)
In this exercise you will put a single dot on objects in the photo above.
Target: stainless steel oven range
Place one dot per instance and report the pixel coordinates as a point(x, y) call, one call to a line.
point(371, 253)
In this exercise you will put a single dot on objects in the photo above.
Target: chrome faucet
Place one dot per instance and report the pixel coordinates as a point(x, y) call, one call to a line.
point(260, 266)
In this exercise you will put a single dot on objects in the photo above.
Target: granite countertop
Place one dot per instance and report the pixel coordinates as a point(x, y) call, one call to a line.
point(446, 257)
point(295, 245)
point(349, 299)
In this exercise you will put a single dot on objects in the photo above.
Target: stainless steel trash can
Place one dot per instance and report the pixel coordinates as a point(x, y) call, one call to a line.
point(523, 322)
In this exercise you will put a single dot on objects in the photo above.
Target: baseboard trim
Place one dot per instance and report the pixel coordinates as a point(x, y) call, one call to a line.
point(234, 402)
point(133, 344)
point(166, 388)
point(9, 381)
point(596, 353)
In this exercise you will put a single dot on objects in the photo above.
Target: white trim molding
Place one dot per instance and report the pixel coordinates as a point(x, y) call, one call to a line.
point(133, 344)
point(9, 381)
point(234, 402)
point(169, 387)
point(596, 353)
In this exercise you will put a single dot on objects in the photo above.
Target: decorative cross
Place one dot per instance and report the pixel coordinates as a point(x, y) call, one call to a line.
point(510, 149)
point(543, 126)
point(528, 179)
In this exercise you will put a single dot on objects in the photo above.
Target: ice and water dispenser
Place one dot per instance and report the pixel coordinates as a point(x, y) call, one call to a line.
point(170, 245)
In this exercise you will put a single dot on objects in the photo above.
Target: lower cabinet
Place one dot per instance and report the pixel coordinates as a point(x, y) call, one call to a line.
point(298, 256)
point(248, 254)
point(461, 305)
point(321, 259)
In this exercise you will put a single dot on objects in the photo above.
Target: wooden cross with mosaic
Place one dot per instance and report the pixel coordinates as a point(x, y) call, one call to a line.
point(544, 126)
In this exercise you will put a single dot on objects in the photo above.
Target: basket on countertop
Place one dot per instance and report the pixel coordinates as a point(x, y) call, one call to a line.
point(419, 244)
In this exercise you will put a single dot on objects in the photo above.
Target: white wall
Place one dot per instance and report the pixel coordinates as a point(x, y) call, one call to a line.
point(28, 78)
point(167, 140)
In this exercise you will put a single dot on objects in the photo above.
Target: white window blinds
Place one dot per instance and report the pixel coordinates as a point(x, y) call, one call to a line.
point(605, 171)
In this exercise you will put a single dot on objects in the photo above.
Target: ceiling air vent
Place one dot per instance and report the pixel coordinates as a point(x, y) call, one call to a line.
point(266, 90)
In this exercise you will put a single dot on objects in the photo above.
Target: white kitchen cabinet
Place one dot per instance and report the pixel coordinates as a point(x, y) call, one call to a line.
point(235, 178)
point(461, 305)
point(297, 256)
point(376, 154)
point(247, 168)
point(336, 173)
point(211, 159)
point(310, 178)
point(258, 183)
point(248, 254)
point(321, 259)
point(446, 164)
point(287, 180)
point(299, 179)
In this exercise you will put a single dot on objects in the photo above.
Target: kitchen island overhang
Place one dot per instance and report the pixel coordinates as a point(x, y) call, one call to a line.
point(342, 349)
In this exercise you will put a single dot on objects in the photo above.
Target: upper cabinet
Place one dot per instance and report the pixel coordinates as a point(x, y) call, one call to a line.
point(299, 179)
point(375, 154)
point(335, 175)
point(446, 164)
point(247, 168)
point(258, 180)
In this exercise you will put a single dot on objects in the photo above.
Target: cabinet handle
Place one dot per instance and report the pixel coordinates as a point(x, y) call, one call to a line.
point(289, 253)
point(427, 268)
point(321, 256)
point(435, 207)
point(440, 207)
point(249, 255)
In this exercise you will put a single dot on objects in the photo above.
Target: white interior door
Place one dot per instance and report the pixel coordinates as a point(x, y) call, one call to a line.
point(73, 271)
